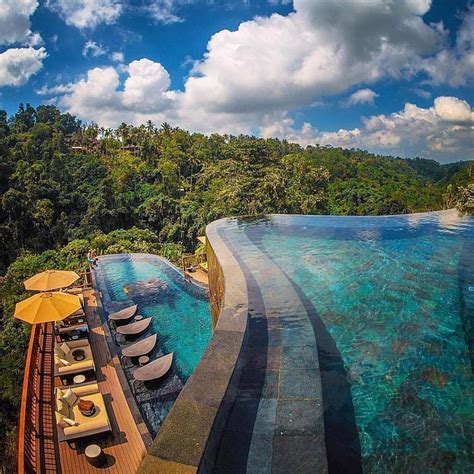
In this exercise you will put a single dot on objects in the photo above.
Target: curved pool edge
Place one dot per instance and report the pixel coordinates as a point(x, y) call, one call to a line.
point(189, 437)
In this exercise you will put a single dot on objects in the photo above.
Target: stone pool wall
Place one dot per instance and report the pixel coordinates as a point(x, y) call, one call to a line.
point(189, 438)
point(216, 284)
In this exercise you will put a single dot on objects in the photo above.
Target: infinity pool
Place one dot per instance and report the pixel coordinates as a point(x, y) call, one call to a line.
point(181, 318)
point(391, 303)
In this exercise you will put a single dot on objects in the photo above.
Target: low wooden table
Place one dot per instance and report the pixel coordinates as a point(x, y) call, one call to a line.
point(89, 376)
point(143, 360)
point(71, 336)
point(95, 455)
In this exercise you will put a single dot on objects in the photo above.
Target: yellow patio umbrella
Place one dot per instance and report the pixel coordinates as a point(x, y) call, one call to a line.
point(51, 280)
point(47, 307)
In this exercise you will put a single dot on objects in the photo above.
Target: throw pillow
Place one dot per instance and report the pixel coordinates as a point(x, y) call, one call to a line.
point(65, 348)
point(62, 407)
point(62, 423)
point(59, 352)
point(70, 422)
point(70, 397)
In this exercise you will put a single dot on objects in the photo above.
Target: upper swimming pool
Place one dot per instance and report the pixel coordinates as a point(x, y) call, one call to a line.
point(181, 318)
point(387, 303)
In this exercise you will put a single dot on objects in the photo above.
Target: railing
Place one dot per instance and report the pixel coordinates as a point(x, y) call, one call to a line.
point(192, 261)
point(37, 446)
point(27, 432)
point(87, 279)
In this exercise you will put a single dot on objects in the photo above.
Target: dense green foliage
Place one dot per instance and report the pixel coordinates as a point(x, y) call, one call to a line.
point(66, 187)
point(61, 180)
point(460, 190)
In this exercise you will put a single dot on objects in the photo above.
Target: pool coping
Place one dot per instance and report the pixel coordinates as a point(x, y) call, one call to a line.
point(189, 437)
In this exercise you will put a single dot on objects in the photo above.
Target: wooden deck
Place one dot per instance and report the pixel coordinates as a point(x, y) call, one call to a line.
point(199, 276)
point(193, 261)
point(124, 448)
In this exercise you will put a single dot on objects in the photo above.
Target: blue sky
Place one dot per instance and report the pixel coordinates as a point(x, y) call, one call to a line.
point(394, 77)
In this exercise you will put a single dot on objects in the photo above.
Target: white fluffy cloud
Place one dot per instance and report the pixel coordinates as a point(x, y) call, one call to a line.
point(362, 96)
point(456, 65)
point(91, 48)
point(87, 13)
point(17, 65)
point(164, 11)
point(323, 48)
point(254, 77)
point(55, 90)
point(451, 109)
point(117, 56)
point(15, 25)
point(144, 96)
point(444, 131)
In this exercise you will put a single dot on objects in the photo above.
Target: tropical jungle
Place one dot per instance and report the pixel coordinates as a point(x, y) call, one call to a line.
point(68, 186)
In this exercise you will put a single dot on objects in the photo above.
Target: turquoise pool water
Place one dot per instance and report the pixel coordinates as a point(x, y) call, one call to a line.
point(181, 318)
point(396, 294)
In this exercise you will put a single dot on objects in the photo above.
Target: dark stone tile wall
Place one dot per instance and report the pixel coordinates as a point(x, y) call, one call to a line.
point(276, 423)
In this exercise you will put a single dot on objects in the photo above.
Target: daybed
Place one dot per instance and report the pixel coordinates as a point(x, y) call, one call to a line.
point(71, 423)
point(64, 361)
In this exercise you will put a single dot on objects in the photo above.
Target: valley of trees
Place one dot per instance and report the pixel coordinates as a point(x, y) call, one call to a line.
point(66, 186)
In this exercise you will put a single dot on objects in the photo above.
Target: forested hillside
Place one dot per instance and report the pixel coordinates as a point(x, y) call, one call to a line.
point(61, 180)
point(66, 186)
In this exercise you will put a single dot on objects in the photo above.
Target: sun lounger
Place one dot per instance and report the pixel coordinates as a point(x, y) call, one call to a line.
point(67, 362)
point(140, 348)
point(124, 314)
point(79, 314)
point(70, 422)
point(63, 330)
point(133, 329)
point(153, 370)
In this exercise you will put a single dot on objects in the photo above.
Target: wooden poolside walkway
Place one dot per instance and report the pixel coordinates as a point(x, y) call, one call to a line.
point(124, 448)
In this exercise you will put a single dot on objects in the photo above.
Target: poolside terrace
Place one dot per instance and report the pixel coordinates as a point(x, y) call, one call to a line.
point(39, 449)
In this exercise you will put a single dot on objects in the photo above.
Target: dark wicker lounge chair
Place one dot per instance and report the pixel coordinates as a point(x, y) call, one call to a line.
point(153, 370)
point(140, 348)
point(124, 314)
